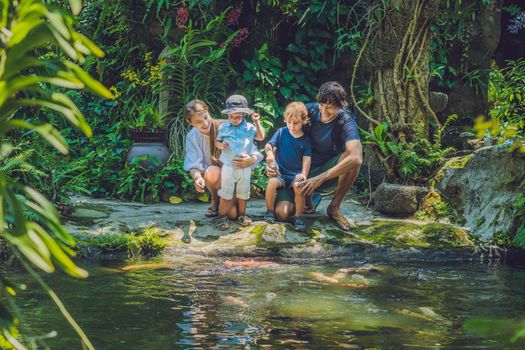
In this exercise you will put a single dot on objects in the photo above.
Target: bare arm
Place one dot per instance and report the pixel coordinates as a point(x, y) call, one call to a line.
point(303, 175)
point(351, 158)
point(270, 156)
point(307, 163)
point(258, 126)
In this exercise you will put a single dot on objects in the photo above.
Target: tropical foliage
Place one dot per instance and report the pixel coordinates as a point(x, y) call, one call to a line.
point(30, 81)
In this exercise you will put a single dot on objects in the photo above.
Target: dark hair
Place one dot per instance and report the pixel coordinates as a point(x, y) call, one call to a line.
point(332, 93)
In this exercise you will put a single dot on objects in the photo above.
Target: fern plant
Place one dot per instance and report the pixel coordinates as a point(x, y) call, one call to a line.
point(415, 160)
point(197, 67)
point(16, 164)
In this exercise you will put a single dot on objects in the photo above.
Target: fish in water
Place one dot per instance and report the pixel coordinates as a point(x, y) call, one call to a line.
point(231, 300)
point(363, 269)
point(247, 263)
point(321, 277)
point(415, 314)
point(156, 266)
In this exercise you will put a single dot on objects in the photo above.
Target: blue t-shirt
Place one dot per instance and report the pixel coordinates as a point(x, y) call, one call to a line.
point(290, 152)
point(324, 148)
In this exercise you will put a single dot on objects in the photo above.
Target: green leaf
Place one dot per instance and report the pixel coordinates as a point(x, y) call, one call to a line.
point(47, 131)
point(91, 45)
point(21, 30)
point(91, 84)
point(286, 92)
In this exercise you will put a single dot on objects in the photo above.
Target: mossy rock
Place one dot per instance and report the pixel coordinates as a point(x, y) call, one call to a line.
point(144, 242)
point(402, 234)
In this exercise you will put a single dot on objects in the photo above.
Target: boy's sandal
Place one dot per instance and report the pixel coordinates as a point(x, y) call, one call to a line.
point(244, 220)
point(316, 199)
point(299, 225)
point(222, 223)
point(269, 217)
point(212, 212)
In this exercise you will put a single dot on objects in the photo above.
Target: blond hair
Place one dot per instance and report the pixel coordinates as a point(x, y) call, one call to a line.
point(195, 107)
point(296, 111)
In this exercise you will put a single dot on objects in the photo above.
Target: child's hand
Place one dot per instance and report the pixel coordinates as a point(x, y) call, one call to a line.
point(256, 117)
point(221, 145)
point(299, 178)
point(270, 159)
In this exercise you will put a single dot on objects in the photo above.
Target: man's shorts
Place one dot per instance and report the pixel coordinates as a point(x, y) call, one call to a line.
point(288, 194)
point(231, 176)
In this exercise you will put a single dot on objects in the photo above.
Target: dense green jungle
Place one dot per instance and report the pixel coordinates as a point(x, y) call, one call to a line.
point(432, 84)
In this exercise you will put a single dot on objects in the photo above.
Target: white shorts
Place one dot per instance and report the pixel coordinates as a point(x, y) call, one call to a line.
point(231, 176)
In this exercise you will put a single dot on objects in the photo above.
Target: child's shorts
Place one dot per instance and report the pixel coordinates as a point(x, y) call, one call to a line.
point(286, 182)
point(231, 176)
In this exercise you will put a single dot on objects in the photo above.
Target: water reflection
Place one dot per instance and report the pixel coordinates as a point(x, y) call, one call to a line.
point(202, 303)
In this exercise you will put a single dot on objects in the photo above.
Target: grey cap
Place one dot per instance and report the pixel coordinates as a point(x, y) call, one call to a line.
point(236, 103)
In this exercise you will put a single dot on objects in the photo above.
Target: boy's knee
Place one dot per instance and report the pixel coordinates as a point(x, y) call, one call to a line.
point(297, 187)
point(273, 183)
point(283, 211)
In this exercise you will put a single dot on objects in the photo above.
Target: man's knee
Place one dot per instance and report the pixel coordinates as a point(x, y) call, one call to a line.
point(296, 187)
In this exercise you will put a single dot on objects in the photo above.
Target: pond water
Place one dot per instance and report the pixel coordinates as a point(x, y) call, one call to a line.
point(196, 303)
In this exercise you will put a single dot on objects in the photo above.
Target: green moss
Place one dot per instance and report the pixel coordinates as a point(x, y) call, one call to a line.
point(502, 238)
point(404, 235)
point(480, 221)
point(147, 242)
point(394, 234)
point(460, 162)
point(446, 236)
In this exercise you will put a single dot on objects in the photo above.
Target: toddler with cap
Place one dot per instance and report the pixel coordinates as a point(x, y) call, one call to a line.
point(235, 139)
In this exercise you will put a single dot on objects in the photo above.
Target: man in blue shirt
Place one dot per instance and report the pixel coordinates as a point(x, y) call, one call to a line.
point(336, 154)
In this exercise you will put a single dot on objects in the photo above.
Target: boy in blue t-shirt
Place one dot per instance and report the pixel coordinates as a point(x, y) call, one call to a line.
point(290, 152)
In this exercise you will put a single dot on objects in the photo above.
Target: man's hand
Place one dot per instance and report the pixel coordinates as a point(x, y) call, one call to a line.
point(243, 161)
point(221, 145)
point(200, 184)
point(308, 187)
point(299, 178)
point(270, 159)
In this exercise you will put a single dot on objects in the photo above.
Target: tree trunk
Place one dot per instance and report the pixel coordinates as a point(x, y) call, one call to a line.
point(400, 53)
point(396, 51)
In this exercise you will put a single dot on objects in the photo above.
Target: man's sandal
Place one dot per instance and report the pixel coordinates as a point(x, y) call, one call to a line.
point(222, 223)
point(316, 199)
point(341, 221)
point(244, 220)
point(212, 212)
